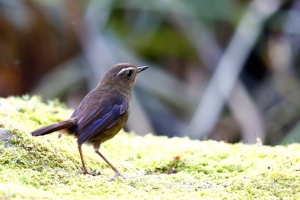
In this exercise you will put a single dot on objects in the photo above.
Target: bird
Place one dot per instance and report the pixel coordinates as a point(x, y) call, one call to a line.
point(101, 114)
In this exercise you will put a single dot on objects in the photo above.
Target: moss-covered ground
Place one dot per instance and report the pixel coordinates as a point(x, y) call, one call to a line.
point(154, 167)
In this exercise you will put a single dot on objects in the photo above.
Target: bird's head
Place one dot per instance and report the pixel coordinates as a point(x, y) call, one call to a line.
point(121, 77)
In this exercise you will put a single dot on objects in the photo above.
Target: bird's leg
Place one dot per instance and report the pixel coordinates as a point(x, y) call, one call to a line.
point(84, 170)
point(96, 146)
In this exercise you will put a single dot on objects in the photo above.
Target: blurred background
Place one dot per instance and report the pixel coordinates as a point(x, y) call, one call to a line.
point(219, 69)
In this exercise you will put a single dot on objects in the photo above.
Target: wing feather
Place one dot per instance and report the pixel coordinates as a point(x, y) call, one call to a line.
point(94, 121)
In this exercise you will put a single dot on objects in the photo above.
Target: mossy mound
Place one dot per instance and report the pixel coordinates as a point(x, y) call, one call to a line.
point(155, 167)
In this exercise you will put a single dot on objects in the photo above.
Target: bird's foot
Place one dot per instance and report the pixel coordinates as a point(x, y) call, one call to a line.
point(92, 173)
point(117, 174)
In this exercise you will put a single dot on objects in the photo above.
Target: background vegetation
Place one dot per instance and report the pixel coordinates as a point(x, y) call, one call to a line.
point(220, 69)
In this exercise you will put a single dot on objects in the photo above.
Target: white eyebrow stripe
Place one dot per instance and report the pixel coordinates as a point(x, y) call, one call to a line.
point(125, 69)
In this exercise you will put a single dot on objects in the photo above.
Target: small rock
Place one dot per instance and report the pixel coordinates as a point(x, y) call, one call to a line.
point(5, 135)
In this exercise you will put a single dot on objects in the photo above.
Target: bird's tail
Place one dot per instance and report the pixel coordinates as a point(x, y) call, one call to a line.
point(69, 123)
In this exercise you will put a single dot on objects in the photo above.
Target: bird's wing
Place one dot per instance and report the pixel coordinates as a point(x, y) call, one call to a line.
point(102, 116)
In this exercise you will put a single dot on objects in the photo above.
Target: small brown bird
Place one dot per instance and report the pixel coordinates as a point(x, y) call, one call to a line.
point(102, 113)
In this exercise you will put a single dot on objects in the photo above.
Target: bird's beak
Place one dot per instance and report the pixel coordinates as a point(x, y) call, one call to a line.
point(140, 69)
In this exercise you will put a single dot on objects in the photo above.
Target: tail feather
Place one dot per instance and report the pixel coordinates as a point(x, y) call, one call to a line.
point(55, 127)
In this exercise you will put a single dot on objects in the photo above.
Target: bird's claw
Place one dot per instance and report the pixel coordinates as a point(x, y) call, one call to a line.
point(117, 174)
point(92, 173)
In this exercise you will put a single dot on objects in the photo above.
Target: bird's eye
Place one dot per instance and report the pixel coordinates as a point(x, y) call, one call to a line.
point(129, 73)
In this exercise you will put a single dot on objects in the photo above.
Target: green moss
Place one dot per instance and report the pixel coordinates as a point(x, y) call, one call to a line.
point(49, 168)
